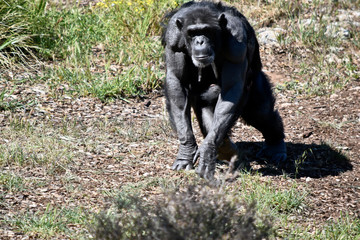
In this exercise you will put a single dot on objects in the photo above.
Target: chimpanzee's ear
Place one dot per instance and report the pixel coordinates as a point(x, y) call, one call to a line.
point(174, 36)
point(222, 20)
point(179, 23)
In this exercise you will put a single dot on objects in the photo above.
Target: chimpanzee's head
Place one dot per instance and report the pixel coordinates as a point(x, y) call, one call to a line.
point(201, 35)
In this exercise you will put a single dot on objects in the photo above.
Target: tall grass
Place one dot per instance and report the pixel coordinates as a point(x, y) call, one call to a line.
point(19, 32)
point(313, 39)
point(108, 50)
point(112, 49)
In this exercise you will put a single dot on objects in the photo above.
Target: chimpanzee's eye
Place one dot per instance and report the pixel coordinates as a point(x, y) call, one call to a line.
point(192, 33)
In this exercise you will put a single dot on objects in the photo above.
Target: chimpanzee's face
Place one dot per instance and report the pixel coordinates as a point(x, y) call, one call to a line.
point(200, 40)
point(201, 35)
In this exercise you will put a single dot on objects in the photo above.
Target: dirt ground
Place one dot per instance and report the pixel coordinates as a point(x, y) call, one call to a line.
point(329, 126)
point(322, 136)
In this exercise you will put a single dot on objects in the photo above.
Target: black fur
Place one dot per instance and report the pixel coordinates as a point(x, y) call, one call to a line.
point(213, 65)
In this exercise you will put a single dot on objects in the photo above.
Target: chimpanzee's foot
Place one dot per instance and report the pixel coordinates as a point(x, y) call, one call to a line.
point(180, 164)
point(185, 157)
point(227, 150)
point(275, 154)
point(230, 152)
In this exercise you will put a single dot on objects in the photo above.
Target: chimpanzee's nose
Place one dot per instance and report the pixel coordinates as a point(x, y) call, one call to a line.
point(199, 41)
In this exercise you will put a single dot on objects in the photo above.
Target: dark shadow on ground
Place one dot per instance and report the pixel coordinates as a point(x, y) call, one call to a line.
point(304, 160)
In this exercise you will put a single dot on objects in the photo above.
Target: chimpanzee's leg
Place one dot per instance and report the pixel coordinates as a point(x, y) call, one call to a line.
point(204, 110)
point(178, 106)
point(259, 112)
point(181, 122)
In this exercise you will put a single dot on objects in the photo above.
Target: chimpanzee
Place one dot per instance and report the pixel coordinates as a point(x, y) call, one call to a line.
point(213, 65)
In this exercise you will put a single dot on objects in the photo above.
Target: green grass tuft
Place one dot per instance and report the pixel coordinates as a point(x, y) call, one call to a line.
point(53, 222)
point(197, 212)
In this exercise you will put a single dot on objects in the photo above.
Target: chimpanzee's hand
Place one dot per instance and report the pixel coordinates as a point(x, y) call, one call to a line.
point(185, 157)
point(207, 155)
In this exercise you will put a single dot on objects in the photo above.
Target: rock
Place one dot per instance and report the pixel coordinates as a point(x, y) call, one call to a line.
point(334, 49)
point(343, 17)
point(348, 15)
point(307, 22)
point(269, 36)
point(335, 30)
point(333, 58)
point(338, 27)
point(333, 96)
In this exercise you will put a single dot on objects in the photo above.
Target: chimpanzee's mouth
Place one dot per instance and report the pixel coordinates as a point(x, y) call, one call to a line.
point(203, 61)
point(207, 58)
point(203, 57)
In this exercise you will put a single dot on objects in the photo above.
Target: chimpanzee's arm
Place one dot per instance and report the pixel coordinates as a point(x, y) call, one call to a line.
point(226, 111)
point(178, 105)
point(229, 103)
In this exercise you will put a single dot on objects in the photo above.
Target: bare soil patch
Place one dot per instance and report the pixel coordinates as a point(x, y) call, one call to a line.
point(125, 143)
point(126, 155)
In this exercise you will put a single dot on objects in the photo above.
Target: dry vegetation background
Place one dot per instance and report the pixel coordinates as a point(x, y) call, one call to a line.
point(86, 147)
